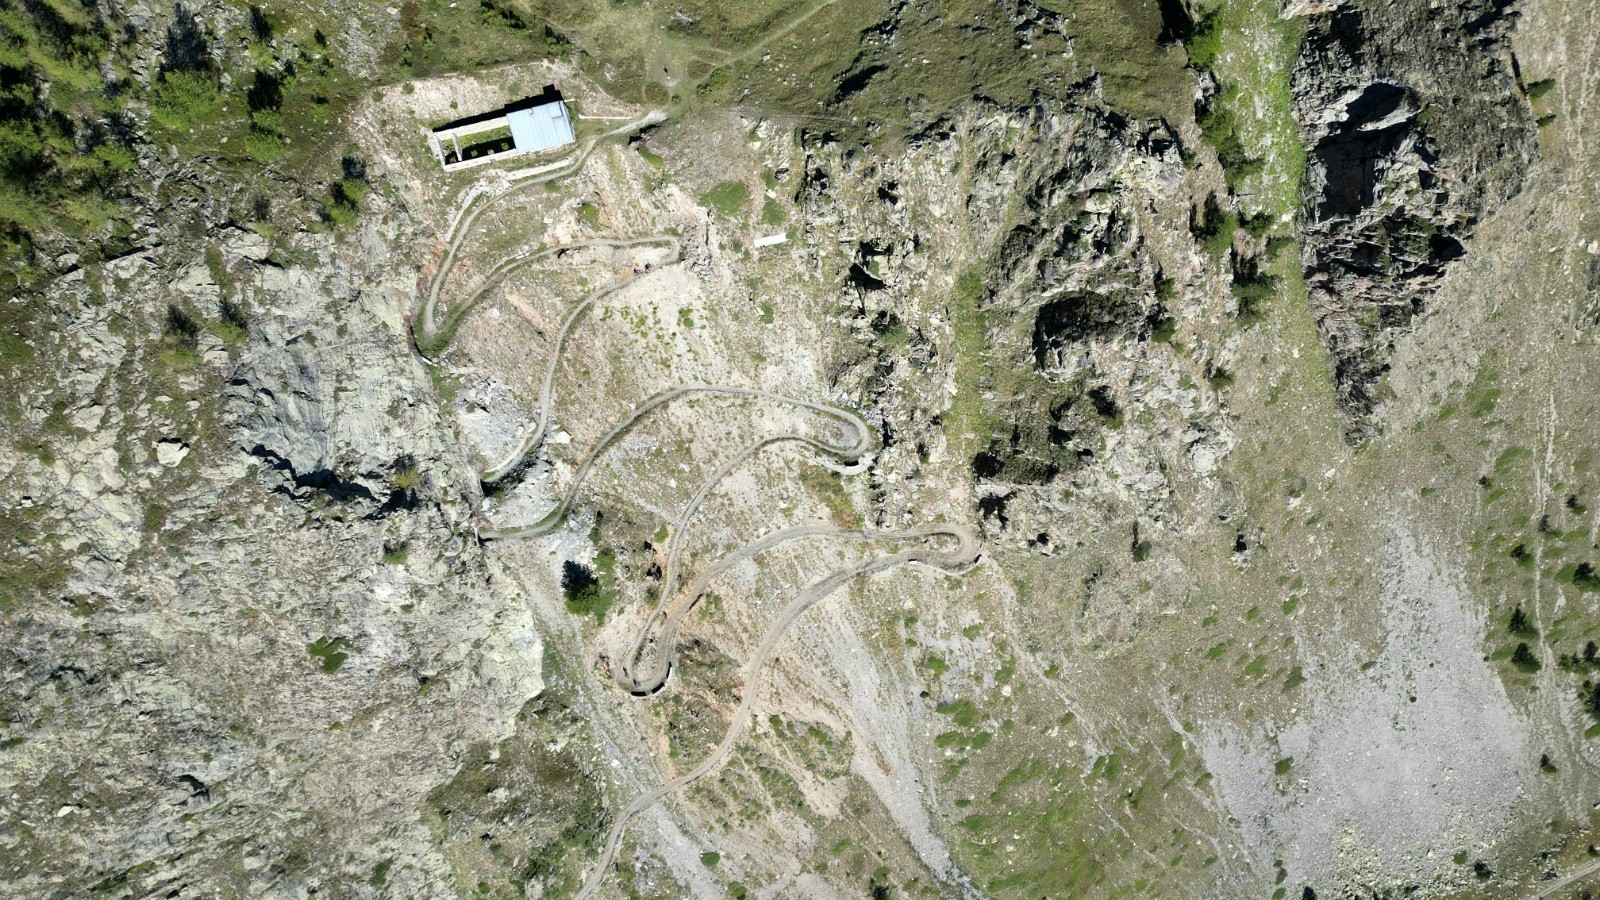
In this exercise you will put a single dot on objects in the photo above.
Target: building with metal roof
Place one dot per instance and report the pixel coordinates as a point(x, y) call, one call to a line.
point(540, 128)
point(531, 125)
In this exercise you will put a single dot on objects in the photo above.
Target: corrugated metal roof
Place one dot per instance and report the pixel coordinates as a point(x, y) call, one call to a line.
point(541, 127)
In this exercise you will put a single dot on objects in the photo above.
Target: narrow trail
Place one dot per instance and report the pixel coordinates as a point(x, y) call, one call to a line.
point(949, 547)
point(1552, 888)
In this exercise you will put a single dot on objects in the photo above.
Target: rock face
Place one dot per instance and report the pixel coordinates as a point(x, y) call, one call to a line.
point(1415, 127)
point(1073, 274)
point(249, 542)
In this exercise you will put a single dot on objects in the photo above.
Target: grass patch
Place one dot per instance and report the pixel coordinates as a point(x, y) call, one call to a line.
point(332, 651)
point(727, 198)
point(826, 486)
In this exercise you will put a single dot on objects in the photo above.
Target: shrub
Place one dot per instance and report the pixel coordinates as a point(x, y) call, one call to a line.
point(1204, 41)
point(1213, 226)
point(586, 592)
point(332, 651)
point(264, 141)
point(1585, 578)
point(234, 326)
point(181, 101)
point(181, 327)
point(1253, 289)
point(407, 479)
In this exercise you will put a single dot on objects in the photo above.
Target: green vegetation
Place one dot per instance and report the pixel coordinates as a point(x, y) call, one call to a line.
point(1250, 123)
point(1219, 127)
point(590, 592)
point(184, 101)
point(884, 90)
point(1215, 228)
point(773, 213)
point(333, 651)
point(1522, 657)
point(826, 486)
point(342, 207)
point(396, 556)
point(969, 417)
point(380, 872)
point(1204, 41)
point(1519, 624)
point(71, 113)
point(437, 36)
point(650, 156)
point(63, 79)
point(710, 858)
point(1581, 576)
point(407, 478)
point(534, 783)
point(727, 198)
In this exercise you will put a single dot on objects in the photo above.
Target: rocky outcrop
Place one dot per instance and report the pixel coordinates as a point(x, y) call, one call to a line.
point(1415, 128)
point(1053, 244)
point(235, 553)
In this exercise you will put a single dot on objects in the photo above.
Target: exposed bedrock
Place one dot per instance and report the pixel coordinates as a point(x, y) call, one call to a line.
point(1415, 128)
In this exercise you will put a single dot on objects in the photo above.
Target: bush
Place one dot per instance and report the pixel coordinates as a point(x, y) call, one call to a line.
point(1219, 127)
point(181, 101)
point(1213, 226)
point(264, 141)
point(1253, 290)
point(585, 592)
point(1204, 42)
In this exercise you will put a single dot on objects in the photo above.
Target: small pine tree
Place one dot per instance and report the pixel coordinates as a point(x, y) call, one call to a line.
point(1523, 658)
point(1519, 621)
point(1590, 695)
point(1591, 653)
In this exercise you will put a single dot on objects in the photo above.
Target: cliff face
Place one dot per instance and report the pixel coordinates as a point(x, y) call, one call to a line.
point(1415, 128)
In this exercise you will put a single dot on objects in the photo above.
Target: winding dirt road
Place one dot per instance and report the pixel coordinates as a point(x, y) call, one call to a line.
point(962, 555)
point(944, 546)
